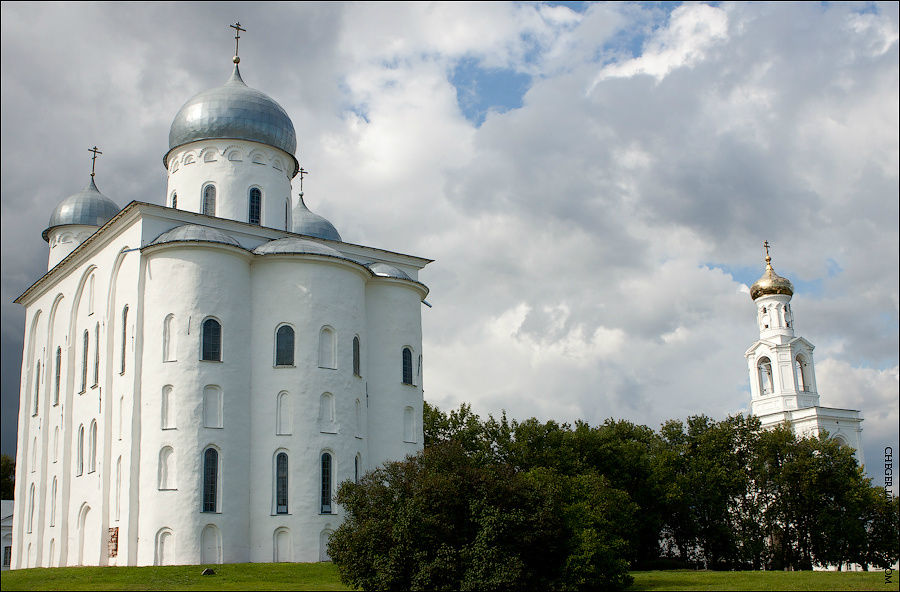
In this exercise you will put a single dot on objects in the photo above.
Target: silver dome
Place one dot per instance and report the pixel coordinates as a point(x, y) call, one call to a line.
point(194, 233)
point(88, 207)
point(311, 224)
point(385, 270)
point(295, 246)
point(233, 111)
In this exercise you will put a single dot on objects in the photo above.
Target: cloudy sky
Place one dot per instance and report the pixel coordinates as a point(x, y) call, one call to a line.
point(593, 181)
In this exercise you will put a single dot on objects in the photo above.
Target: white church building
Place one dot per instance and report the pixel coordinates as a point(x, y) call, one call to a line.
point(782, 372)
point(199, 377)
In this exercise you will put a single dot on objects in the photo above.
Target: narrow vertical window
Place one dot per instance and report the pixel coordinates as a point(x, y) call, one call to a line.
point(326, 484)
point(174, 200)
point(56, 444)
point(37, 388)
point(356, 355)
point(766, 384)
point(91, 295)
point(118, 487)
point(409, 425)
point(124, 337)
point(56, 376)
point(255, 205)
point(287, 214)
point(326, 348)
point(212, 341)
point(167, 420)
point(281, 483)
point(407, 366)
point(212, 407)
point(169, 338)
point(85, 342)
point(96, 355)
point(356, 469)
point(210, 479)
point(283, 414)
point(166, 472)
point(79, 452)
point(209, 200)
point(121, 415)
point(358, 417)
point(53, 503)
point(30, 508)
point(284, 346)
point(92, 447)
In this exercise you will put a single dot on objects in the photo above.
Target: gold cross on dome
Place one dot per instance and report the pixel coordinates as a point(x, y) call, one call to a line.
point(94, 158)
point(237, 36)
point(768, 258)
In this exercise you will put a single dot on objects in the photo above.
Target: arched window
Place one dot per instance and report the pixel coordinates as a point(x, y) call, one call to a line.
point(91, 295)
point(124, 336)
point(79, 452)
point(409, 425)
point(281, 483)
point(85, 342)
point(283, 414)
point(210, 480)
point(326, 484)
point(326, 348)
point(118, 487)
point(30, 509)
point(209, 200)
point(167, 404)
point(284, 346)
point(166, 472)
point(212, 407)
point(174, 200)
point(57, 376)
point(212, 341)
point(96, 354)
point(92, 447)
point(326, 414)
point(356, 355)
point(407, 366)
point(800, 367)
point(37, 388)
point(766, 384)
point(53, 503)
point(255, 205)
point(169, 338)
point(165, 547)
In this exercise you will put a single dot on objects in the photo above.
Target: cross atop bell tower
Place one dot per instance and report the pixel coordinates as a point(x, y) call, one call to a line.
point(237, 39)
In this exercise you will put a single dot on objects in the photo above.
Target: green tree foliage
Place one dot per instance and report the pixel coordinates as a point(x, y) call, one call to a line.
point(506, 504)
point(7, 476)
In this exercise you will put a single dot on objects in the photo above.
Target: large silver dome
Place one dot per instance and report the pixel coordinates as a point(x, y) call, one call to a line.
point(233, 111)
point(311, 224)
point(88, 207)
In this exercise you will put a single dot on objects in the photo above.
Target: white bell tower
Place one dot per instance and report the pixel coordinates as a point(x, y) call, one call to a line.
point(782, 371)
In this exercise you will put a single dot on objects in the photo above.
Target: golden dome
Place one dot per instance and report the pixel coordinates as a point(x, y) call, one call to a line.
point(771, 282)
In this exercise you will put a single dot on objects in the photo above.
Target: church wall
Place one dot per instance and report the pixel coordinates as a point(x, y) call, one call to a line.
point(394, 321)
point(212, 282)
point(307, 294)
point(233, 167)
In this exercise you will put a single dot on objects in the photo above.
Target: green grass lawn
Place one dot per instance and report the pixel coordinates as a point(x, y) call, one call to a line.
point(324, 576)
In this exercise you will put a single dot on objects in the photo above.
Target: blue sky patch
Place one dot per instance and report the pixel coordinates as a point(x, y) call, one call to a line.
point(480, 90)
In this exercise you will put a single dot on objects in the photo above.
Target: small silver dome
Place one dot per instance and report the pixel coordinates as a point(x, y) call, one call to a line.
point(311, 224)
point(233, 111)
point(385, 270)
point(295, 246)
point(88, 207)
point(195, 233)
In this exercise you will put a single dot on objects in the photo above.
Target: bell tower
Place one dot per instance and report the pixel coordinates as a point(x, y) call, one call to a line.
point(782, 371)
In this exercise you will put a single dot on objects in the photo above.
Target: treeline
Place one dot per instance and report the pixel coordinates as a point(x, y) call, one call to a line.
point(506, 504)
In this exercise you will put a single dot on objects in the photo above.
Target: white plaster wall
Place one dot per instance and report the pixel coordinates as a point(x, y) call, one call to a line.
point(233, 166)
point(307, 293)
point(394, 320)
point(195, 282)
point(64, 239)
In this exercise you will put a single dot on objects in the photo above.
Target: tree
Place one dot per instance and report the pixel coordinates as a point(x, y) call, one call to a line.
point(7, 476)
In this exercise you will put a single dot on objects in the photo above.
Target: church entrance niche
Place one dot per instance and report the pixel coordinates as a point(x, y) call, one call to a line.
point(88, 537)
point(210, 545)
point(323, 545)
point(283, 548)
point(165, 547)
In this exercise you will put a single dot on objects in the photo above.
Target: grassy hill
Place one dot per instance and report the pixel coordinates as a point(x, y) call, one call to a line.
point(324, 576)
